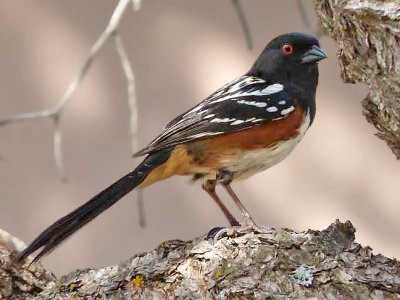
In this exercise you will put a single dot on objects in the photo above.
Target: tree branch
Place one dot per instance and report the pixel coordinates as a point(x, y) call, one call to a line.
point(368, 35)
point(325, 264)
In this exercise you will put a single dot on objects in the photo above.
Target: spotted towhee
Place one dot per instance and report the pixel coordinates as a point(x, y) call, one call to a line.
point(245, 127)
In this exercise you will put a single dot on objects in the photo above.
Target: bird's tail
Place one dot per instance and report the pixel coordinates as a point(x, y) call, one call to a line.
point(64, 227)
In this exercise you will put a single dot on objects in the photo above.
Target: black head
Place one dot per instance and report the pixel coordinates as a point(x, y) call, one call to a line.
point(293, 56)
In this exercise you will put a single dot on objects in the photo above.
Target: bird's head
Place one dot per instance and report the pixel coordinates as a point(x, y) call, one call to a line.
point(287, 57)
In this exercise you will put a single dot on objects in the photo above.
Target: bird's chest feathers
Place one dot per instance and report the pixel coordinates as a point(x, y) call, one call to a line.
point(257, 160)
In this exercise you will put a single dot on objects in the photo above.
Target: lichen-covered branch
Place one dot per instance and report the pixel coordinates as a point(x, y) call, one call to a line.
point(16, 281)
point(368, 35)
point(325, 264)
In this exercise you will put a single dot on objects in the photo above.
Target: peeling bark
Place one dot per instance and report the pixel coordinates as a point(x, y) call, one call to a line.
point(16, 281)
point(325, 264)
point(368, 35)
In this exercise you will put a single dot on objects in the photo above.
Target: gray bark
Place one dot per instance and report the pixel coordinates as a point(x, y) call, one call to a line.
point(325, 264)
point(368, 35)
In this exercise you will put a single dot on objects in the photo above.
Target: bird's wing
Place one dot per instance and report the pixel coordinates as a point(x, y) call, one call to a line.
point(245, 102)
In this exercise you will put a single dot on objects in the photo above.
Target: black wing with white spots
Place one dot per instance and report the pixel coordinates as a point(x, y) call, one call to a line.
point(244, 103)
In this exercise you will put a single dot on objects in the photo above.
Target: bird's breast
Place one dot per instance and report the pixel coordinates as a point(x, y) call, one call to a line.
point(256, 160)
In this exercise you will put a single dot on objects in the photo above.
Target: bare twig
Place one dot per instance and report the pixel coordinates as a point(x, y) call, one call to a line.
point(136, 4)
point(57, 140)
point(56, 111)
point(140, 202)
point(243, 22)
point(318, 31)
point(303, 13)
point(126, 66)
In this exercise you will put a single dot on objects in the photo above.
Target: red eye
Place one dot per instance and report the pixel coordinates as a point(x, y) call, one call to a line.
point(287, 49)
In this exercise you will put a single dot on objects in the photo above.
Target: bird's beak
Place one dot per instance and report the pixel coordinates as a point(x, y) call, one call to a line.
point(315, 54)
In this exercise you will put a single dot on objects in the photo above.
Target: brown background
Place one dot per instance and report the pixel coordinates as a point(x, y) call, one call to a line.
point(181, 52)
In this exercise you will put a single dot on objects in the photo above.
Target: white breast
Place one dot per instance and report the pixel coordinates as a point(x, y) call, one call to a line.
point(256, 161)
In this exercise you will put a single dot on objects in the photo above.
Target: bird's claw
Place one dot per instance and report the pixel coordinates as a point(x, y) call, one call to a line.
point(246, 227)
point(250, 226)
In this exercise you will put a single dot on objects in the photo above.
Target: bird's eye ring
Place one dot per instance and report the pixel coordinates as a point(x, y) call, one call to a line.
point(287, 49)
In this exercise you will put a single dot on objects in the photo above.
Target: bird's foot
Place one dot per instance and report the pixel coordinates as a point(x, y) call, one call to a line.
point(250, 226)
point(247, 226)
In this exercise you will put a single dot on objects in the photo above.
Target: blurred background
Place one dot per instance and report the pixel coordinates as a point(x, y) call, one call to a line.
point(181, 51)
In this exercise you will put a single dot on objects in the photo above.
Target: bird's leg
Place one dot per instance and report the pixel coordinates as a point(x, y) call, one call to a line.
point(209, 187)
point(247, 218)
point(248, 223)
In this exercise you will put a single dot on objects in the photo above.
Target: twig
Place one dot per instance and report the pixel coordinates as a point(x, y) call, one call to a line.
point(129, 75)
point(130, 78)
point(243, 22)
point(318, 31)
point(140, 203)
point(57, 140)
point(136, 4)
point(56, 111)
point(303, 13)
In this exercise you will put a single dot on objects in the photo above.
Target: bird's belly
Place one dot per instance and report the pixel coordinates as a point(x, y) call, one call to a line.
point(245, 155)
point(255, 161)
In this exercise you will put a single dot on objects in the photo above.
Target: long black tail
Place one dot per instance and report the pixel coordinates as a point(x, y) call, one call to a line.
point(64, 227)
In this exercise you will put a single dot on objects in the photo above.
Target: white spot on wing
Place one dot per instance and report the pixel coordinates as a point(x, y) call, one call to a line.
point(234, 86)
point(252, 120)
point(235, 91)
point(272, 109)
point(272, 89)
point(203, 134)
point(209, 116)
point(282, 102)
point(253, 103)
point(237, 122)
point(224, 120)
point(194, 109)
point(202, 112)
point(287, 110)
point(257, 120)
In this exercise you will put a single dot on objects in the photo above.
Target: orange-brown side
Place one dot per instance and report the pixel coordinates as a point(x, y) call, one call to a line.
point(208, 155)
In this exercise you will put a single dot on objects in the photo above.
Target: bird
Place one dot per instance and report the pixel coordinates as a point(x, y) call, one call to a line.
point(245, 127)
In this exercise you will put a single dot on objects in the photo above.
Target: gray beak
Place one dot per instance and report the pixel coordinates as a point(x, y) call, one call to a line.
point(313, 55)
